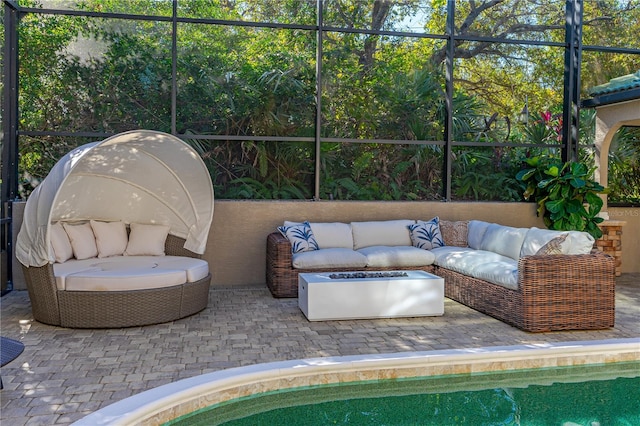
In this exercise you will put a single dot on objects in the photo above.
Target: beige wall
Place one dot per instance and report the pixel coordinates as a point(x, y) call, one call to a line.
point(236, 249)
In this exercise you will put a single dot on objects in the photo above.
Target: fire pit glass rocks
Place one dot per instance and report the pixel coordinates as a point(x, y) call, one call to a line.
point(354, 275)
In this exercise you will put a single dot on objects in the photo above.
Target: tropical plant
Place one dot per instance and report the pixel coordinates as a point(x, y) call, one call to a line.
point(566, 195)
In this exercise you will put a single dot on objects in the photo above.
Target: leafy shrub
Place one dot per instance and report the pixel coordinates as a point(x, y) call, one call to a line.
point(566, 195)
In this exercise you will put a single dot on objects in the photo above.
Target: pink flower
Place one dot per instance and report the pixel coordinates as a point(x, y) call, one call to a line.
point(546, 116)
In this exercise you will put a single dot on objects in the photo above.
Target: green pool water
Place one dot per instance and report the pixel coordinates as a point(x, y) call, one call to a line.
point(592, 395)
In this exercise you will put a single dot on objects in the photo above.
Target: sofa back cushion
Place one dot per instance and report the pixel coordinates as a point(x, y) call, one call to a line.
point(580, 242)
point(576, 242)
point(504, 240)
point(381, 233)
point(330, 234)
point(475, 232)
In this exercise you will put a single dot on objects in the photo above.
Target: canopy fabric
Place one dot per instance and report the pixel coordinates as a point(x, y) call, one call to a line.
point(141, 176)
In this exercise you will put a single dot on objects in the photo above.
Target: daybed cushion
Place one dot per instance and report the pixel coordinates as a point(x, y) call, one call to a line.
point(124, 279)
point(381, 233)
point(399, 256)
point(62, 249)
point(485, 265)
point(146, 240)
point(83, 242)
point(94, 274)
point(504, 240)
point(329, 258)
point(111, 237)
point(576, 242)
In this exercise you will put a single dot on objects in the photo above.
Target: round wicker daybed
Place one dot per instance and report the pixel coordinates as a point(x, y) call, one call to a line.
point(137, 177)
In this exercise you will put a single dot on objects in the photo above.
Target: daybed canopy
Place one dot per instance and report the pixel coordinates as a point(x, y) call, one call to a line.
point(140, 176)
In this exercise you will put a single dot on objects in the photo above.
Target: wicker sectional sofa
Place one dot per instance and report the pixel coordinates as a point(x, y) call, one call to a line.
point(533, 279)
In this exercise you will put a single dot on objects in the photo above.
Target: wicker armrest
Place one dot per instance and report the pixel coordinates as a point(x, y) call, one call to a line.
point(281, 278)
point(595, 268)
point(577, 291)
point(174, 246)
point(279, 248)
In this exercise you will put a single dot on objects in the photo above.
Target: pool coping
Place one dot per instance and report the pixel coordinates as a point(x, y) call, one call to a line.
point(170, 401)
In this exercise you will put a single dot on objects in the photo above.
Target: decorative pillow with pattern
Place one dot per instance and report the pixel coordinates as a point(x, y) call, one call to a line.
point(300, 236)
point(554, 246)
point(454, 233)
point(426, 235)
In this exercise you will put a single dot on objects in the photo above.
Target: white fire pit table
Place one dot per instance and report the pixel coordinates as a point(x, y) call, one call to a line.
point(359, 295)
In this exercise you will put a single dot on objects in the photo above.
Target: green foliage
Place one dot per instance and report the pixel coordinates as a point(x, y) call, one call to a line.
point(566, 195)
point(80, 74)
point(485, 174)
point(624, 167)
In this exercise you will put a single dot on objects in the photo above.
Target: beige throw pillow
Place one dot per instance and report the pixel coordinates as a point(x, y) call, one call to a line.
point(554, 246)
point(146, 240)
point(83, 242)
point(111, 237)
point(62, 249)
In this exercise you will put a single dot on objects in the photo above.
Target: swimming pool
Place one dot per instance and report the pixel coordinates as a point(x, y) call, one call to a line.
point(171, 401)
point(604, 394)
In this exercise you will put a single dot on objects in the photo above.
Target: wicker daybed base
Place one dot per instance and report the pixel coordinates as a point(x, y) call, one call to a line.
point(114, 309)
point(557, 292)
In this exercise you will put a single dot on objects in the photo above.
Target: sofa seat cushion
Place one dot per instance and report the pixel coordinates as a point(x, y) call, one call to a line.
point(396, 257)
point(329, 258)
point(125, 279)
point(481, 264)
point(128, 272)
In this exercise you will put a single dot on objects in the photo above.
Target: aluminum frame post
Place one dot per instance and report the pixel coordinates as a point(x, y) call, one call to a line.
point(572, 61)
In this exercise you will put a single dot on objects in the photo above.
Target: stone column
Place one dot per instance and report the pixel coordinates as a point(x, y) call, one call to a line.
point(611, 241)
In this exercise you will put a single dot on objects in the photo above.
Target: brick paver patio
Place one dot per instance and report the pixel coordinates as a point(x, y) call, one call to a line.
point(65, 374)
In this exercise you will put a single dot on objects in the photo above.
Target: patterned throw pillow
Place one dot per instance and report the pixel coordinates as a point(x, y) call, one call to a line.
point(454, 233)
point(426, 235)
point(300, 236)
point(554, 246)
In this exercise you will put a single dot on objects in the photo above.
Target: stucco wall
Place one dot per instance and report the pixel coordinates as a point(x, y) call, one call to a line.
point(236, 249)
point(237, 243)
